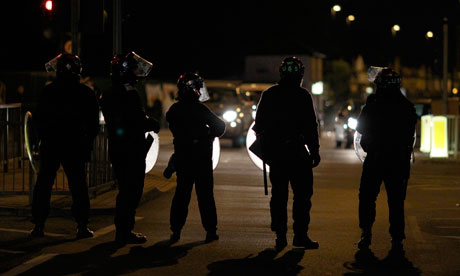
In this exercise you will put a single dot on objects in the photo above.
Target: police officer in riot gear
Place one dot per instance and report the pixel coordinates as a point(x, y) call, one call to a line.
point(127, 125)
point(194, 128)
point(387, 124)
point(286, 123)
point(67, 121)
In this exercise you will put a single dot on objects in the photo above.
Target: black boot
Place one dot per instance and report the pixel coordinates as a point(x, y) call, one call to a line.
point(130, 237)
point(280, 242)
point(365, 240)
point(175, 237)
point(84, 232)
point(211, 236)
point(305, 241)
point(38, 231)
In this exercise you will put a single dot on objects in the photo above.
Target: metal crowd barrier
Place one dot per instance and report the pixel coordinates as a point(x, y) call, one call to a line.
point(16, 173)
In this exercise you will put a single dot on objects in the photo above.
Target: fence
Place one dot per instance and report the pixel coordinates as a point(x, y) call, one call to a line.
point(17, 175)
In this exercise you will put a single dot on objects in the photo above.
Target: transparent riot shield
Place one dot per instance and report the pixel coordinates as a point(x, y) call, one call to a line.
point(362, 154)
point(215, 153)
point(152, 154)
point(31, 142)
point(250, 139)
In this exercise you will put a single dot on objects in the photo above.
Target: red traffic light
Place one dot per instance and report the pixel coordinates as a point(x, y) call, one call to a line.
point(49, 5)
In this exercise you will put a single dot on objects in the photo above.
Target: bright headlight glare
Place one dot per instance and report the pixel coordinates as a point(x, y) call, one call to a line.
point(230, 116)
point(352, 123)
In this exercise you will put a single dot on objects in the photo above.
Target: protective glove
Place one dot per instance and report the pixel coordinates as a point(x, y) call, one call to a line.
point(315, 159)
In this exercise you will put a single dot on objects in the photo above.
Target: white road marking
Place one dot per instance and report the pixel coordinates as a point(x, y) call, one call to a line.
point(29, 265)
point(108, 229)
point(448, 227)
point(28, 232)
point(452, 237)
point(416, 233)
point(11, 251)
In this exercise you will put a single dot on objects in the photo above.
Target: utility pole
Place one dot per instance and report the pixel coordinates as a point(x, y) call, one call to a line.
point(75, 18)
point(117, 27)
point(445, 65)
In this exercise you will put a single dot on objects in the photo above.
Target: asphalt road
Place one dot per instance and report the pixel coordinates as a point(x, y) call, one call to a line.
point(246, 242)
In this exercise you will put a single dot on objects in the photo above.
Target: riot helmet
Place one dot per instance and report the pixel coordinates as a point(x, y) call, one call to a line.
point(191, 87)
point(127, 68)
point(384, 78)
point(66, 66)
point(291, 69)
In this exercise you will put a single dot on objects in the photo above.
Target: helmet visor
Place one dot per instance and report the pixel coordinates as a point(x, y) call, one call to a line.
point(204, 95)
point(372, 72)
point(143, 67)
point(51, 66)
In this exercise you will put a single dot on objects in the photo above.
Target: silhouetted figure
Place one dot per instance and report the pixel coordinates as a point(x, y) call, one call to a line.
point(67, 121)
point(194, 128)
point(127, 125)
point(387, 124)
point(286, 123)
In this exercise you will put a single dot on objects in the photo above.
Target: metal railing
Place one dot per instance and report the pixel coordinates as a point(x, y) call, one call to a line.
point(17, 175)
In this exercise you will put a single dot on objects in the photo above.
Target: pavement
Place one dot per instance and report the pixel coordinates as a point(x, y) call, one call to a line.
point(246, 243)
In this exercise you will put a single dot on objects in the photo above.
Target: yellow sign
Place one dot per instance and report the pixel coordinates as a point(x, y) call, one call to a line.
point(425, 134)
point(439, 143)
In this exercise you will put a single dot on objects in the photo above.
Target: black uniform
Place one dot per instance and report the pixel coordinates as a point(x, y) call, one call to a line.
point(286, 122)
point(194, 128)
point(387, 124)
point(67, 121)
point(127, 124)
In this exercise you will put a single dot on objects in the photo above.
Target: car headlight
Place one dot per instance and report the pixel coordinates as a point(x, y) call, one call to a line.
point(352, 123)
point(230, 115)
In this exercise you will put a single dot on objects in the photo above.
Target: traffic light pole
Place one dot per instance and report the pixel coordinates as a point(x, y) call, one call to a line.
point(75, 18)
point(444, 66)
point(117, 27)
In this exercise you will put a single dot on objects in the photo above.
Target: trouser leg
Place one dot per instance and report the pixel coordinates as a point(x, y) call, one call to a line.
point(181, 200)
point(130, 174)
point(302, 186)
point(368, 192)
point(204, 187)
point(49, 165)
point(396, 189)
point(75, 171)
point(279, 199)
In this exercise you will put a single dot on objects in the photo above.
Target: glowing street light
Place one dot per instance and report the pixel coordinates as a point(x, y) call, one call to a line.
point(49, 5)
point(429, 34)
point(396, 28)
point(350, 18)
point(455, 91)
point(337, 8)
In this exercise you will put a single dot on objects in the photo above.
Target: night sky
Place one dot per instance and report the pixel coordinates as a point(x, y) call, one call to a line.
point(214, 38)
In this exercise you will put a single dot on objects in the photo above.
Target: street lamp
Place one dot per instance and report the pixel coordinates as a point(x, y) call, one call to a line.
point(429, 34)
point(335, 9)
point(350, 18)
point(395, 29)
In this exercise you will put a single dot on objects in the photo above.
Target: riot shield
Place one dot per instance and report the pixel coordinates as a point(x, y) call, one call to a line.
point(250, 139)
point(215, 153)
point(152, 154)
point(362, 154)
point(31, 142)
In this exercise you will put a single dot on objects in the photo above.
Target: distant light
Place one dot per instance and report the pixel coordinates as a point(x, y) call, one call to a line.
point(455, 91)
point(369, 90)
point(254, 107)
point(241, 115)
point(396, 28)
point(317, 88)
point(351, 18)
point(238, 109)
point(429, 34)
point(230, 116)
point(337, 8)
point(233, 124)
point(49, 5)
point(349, 108)
point(352, 123)
point(248, 94)
point(345, 126)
